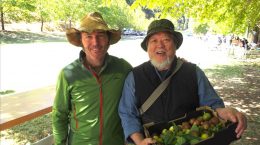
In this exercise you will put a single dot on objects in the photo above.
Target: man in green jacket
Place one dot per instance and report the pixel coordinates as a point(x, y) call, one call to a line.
point(88, 90)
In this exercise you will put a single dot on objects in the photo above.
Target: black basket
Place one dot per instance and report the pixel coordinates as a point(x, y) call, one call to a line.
point(224, 137)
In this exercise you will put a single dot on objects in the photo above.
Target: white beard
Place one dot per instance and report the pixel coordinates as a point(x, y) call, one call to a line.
point(162, 65)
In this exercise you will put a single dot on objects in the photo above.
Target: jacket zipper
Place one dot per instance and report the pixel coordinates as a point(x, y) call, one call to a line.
point(100, 103)
point(100, 107)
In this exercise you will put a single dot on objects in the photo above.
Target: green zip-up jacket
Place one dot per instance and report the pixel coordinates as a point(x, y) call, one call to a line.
point(85, 106)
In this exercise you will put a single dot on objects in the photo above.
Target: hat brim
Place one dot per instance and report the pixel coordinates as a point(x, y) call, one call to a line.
point(178, 38)
point(73, 36)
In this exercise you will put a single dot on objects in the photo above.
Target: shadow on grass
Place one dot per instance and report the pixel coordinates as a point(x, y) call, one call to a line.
point(238, 85)
point(237, 82)
point(9, 37)
point(225, 71)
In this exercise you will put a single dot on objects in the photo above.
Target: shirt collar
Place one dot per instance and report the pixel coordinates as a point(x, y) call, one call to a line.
point(82, 58)
point(165, 73)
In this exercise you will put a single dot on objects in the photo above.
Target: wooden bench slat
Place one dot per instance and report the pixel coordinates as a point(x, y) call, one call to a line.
point(21, 107)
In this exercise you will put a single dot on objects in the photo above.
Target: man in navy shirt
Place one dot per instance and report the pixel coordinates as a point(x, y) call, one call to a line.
point(188, 88)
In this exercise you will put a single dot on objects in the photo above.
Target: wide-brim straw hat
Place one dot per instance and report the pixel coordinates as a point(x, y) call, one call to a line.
point(162, 25)
point(92, 22)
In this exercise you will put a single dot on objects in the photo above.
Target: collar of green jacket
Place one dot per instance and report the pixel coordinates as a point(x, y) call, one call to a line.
point(82, 58)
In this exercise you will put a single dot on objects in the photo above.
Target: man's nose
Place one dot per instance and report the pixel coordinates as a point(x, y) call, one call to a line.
point(95, 41)
point(160, 43)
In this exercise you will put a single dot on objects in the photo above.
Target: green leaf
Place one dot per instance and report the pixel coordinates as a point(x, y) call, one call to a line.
point(194, 128)
point(180, 140)
point(168, 137)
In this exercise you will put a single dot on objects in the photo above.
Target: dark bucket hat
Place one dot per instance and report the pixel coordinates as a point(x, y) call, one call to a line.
point(162, 25)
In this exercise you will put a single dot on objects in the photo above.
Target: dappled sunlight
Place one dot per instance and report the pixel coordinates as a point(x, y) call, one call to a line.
point(243, 110)
point(238, 85)
point(7, 141)
point(238, 108)
point(249, 75)
point(251, 138)
point(237, 80)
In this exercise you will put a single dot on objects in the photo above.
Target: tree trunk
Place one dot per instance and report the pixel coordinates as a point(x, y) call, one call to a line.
point(2, 18)
point(65, 24)
point(256, 35)
point(186, 24)
point(247, 32)
point(42, 24)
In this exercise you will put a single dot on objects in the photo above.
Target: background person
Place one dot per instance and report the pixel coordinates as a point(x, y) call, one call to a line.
point(188, 89)
point(89, 88)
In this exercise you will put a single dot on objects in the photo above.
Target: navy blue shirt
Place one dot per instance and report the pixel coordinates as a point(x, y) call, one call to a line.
point(129, 113)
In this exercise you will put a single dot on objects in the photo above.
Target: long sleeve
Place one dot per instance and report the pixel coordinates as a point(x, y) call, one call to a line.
point(207, 94)
point(128, 110)
point(60, 111)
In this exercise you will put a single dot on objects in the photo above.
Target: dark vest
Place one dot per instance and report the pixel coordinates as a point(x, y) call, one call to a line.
point(180, 97)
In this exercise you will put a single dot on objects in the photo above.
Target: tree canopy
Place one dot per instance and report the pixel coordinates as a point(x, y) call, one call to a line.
point(227, 15)
point(220, 16)
point(69, 12)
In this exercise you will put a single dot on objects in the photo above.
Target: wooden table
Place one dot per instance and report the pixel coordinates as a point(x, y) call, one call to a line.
point(21, 107)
